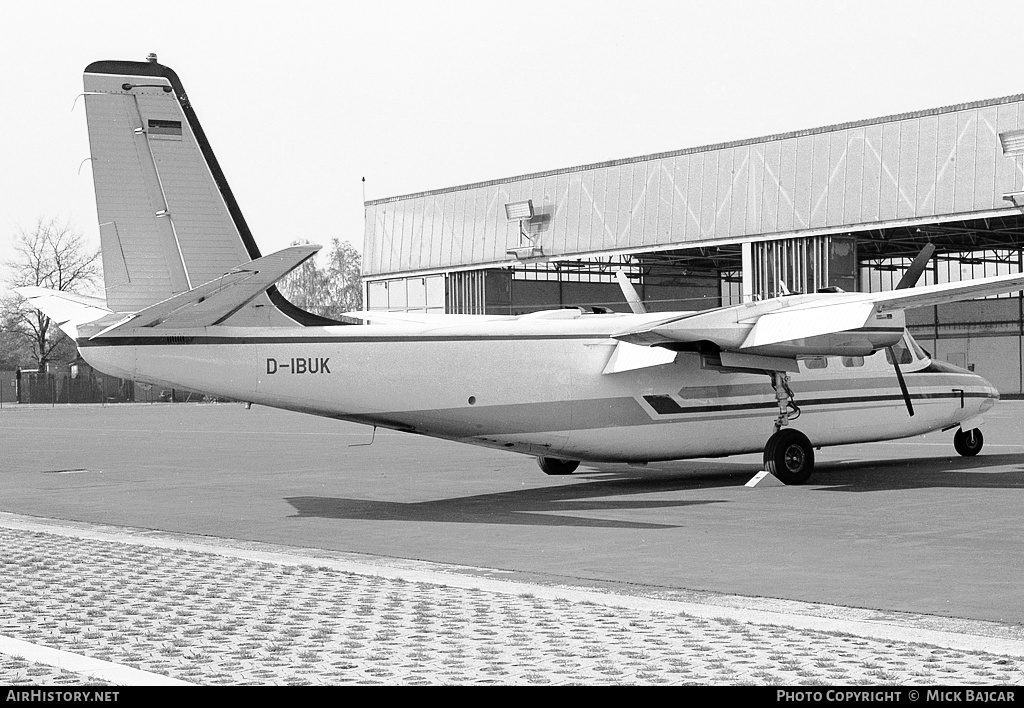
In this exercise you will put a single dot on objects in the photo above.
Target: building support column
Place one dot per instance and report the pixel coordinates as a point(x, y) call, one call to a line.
point(747, 274)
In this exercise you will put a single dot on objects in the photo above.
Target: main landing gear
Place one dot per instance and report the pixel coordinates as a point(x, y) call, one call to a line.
point(968, 442)
point(557, 466)
point(788, 455)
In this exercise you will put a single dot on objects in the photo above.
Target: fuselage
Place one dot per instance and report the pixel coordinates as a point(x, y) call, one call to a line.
point(539, 387)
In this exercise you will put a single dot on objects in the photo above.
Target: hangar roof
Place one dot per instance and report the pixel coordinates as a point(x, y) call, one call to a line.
point(929, 166)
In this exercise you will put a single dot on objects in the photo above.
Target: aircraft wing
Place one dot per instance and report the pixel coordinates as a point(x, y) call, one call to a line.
point(215, 301)
point(809, 325)
point(942, 293)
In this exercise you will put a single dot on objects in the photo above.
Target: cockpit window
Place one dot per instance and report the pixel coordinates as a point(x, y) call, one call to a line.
point(817, 362)
point(851, 362)
point(907, 351)
point(919, 352)
point(903, 354)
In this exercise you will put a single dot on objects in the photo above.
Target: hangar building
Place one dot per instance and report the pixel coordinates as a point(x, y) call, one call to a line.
point(846, 205)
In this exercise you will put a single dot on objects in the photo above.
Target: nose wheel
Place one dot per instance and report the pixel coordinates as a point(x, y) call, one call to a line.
point(968, 442)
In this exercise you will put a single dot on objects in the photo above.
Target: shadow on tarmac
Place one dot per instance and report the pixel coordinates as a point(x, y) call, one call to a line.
point(538, 506)
point(982, 472)
point(602, 488)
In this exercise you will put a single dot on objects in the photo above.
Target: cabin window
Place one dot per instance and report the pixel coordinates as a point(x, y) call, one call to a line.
point(852, 362)
point(818, 362)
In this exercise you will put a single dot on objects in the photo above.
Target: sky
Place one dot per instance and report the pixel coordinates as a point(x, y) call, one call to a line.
point(304, 99)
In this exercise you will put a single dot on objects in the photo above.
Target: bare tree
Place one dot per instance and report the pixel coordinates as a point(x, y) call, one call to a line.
point(54, 256)
point(344, 271)
point(306, 286)
point(327, 291)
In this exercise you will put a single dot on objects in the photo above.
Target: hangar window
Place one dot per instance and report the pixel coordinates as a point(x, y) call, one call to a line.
point(946, 267)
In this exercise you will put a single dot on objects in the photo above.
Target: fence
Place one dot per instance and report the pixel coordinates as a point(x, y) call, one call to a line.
point(78, 383)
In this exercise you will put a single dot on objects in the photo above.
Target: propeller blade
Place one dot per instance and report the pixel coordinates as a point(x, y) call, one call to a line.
point(629, 292)
point(917, 267)
point(903, 383)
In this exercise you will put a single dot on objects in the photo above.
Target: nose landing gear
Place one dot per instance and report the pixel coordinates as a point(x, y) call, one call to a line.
point(968, 442)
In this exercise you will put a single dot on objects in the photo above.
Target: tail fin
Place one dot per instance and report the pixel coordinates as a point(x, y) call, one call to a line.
point(168, 219)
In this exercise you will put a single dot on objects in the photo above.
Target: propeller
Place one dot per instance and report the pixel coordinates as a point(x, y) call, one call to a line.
point(903, 383)
point(629, 292)
point(909, 280)
point(916, 268)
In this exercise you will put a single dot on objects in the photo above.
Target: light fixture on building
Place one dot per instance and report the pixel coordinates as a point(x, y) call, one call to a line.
point(1012, 142)
point(519, 211)
point(522, 212)
point(1013, 146)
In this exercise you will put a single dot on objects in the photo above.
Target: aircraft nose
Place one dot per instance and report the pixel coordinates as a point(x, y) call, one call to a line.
point(991, 394)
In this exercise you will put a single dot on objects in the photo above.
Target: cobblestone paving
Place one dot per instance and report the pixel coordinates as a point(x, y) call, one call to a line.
point(213, 619)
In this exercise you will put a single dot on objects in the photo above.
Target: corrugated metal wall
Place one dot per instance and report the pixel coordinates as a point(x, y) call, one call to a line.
point(869, 174)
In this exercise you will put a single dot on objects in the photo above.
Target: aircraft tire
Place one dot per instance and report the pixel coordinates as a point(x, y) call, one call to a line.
point(789, 456)
point(557, 466)
point(968, 443)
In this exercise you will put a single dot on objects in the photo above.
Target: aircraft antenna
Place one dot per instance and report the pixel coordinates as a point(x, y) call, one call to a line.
point(373, 437)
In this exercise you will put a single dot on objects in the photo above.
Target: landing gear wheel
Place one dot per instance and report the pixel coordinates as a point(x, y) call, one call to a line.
point(789, 456)
point(556, 465)
point(968, 442)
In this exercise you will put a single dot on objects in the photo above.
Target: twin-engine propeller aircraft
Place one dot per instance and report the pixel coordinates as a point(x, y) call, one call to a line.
point(190, 303)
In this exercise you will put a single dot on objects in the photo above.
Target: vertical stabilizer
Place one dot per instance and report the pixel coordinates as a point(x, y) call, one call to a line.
point(168, 219)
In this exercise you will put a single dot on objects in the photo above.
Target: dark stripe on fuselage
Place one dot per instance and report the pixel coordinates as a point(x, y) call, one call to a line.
point(189, 340)
point(600, 413)
point(666, 405)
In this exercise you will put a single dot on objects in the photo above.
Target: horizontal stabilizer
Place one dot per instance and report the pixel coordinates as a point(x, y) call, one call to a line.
point(215, 301)
point(68, 310)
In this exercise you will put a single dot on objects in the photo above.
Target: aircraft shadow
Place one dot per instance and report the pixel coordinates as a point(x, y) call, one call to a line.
point(1000, 471)
point(602, 487)
point(982, 472)
point(542, 506)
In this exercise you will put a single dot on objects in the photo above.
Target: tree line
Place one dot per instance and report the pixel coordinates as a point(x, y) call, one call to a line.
point(55, 255)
